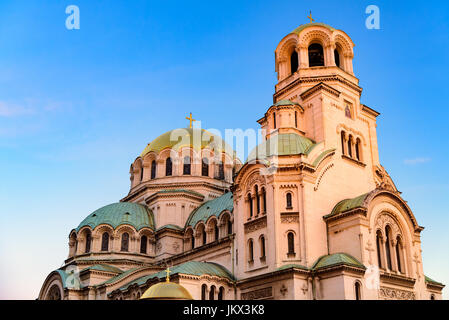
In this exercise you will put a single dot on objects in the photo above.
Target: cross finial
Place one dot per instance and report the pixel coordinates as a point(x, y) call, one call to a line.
point(310, 17)
point(167, 278)
point(191, 120)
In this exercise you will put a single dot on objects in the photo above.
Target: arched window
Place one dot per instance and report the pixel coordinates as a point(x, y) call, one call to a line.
point(262, 247)
point(192, 241)
point(221, 293)
point(343, 138)
point(296, 119)
point(350, 146)
point(291, 243)
point(205, 167)
point(289, 200)
point(212, 293)
point(337, 58)
point(432, 297)
point(203, 292)
point(264, 200)
point(316, 55)
point(125, 242)
point(250, 250)
point(153, 169)
point(250, 202)
point(229, 227)
point(294, 61)
point(187, 166)
point(105, 241)
point(204, 236)
point(221, 170)
point(387, 246)
point(143, 244)
point(168, 167)
point(88, 241)
point(216, 233)
point(398, 254)
point(256, 191)
point(358, 291)
point(357, 149)
point(141, 173)
point(379, 246)
point(274, 120)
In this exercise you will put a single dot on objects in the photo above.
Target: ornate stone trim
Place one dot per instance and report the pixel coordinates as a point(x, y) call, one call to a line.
point(396, 294)
point(258, 294)
point(318, 87)
point(256, 224)
point(289, 217)
point(321, 176)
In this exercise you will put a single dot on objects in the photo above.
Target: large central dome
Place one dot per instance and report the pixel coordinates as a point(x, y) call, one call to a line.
point(197, 139)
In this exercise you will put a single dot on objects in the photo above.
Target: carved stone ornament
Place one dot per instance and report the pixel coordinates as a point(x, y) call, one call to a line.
point(385, 219)
point(396, 294)
point(258, 294)
point(255, 224)
point(383, 179)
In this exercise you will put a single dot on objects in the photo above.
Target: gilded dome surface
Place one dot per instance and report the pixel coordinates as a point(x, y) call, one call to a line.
point(166, 291)
point(116, 214)
point(188, 137)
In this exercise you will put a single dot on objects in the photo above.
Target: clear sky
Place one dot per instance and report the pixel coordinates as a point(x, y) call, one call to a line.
point(78, 106)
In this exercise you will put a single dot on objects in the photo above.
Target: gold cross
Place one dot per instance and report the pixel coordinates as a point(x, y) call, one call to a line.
point(167, 278)
point(191, 120)
point(310, 17)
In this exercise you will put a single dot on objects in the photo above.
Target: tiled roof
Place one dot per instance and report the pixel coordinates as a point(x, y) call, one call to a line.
point(429, 280)
point(281, 145)
point(104, 267)
point(289, 266)
point(211, 208)
point(336, 259)
point(348, 204)
point(195, 268)
point(116, 214)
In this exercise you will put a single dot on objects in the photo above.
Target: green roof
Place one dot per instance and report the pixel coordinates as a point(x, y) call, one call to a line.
point(429, 280)
point(116, 214)
point(281, 145)
point(195, 268)
point(211, 208)
point(290, 266)
point(314, 24)
point(104, 267)
point(188, 137)
point(170, 226)
point(336, 259)
point(348, 204)
point(285, 102)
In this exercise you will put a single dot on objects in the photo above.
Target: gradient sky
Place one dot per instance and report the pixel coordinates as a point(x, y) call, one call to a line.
point(77, 107)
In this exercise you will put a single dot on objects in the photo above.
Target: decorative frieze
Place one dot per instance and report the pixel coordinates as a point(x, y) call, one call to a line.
point(290, 217)
point(258, 294)
point(396, 294)
point(256, 224)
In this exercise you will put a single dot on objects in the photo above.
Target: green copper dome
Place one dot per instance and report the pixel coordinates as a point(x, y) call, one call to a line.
point(188, 137)
point(282, 144)
point(314, 24)
point(116, 214)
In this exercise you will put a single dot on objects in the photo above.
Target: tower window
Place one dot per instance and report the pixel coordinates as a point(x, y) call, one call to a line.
point(141, 174)
point(289, 200)
point(296, 119)
point(187, 165)
point(216, 232)
point(88, 241)
point(250, 202)
point(343, 138)
point(205, 167)
point(316, 55)
point(143, 244)
point(398, 253)
point(221, 293)
point(229, 227)
point(250, 250)
point(203, 292)
point(153, 169)
point(256, 191)
point(291, 243)
point(168, 167)
point(274, 120)
point(350, 146)
point(357, 289)
point(212, 293)
point(337, 58)
point(294, 62)
point(262, 247)
point(125, 242)
point(379, 246)
point(387, 247)
point(105, 241)
point(357, 149)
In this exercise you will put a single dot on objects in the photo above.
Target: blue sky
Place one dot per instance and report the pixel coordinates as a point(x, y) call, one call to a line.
point(77, 107)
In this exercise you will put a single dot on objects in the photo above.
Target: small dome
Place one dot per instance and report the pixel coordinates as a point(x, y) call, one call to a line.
point(184, 137)
point(116, 214)
point(282, 144)
point(314, 24)
point(166, 291)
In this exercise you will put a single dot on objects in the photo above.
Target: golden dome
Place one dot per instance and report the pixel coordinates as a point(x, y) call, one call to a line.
point(166, 291)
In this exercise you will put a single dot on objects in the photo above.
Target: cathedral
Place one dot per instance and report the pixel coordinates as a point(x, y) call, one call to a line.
point(310, 215)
